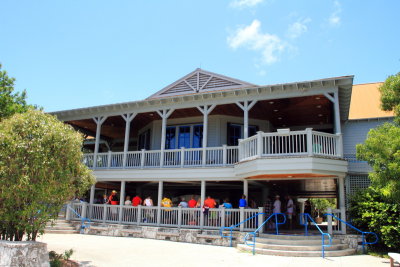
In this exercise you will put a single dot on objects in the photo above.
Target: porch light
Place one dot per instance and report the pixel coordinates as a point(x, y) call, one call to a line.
point(279, 118)
point(320, 115)
point(275, 110)
point(271, 102)
point(318, 98)
point(319, 106)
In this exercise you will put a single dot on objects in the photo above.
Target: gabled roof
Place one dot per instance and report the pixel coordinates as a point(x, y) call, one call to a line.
point(199, 81)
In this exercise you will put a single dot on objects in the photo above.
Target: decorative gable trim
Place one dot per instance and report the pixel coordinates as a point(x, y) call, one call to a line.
point(200, 81)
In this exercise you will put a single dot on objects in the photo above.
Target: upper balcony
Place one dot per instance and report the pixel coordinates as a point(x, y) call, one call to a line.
point(281, 144)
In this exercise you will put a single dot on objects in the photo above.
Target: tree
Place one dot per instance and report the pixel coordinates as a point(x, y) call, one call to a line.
point(40, 169)
point(390, 95)
point(10, 102)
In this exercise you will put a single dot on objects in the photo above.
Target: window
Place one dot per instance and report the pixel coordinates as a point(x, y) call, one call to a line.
point(144, 140)
point(235, 132)
point(188, 136)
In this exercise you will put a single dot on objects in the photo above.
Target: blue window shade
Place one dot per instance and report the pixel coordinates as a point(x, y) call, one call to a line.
point(170, 141)
point(184, 136)
point(197, 136)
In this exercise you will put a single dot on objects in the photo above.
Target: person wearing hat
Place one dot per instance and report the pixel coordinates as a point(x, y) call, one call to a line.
point(113, 199)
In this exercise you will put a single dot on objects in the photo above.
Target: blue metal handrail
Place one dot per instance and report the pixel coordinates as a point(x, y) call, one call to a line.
point(246, 237)
point(234, 226)
point(358, 230)
point(304, 221)
point(83, 219)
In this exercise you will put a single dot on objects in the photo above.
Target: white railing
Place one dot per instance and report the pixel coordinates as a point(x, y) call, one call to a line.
point(163, 216)
point(278, 144)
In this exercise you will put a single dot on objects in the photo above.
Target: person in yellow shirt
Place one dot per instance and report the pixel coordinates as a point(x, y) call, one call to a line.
point(167, 214)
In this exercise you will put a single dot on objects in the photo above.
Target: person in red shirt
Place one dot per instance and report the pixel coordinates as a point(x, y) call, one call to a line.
point(210, 202)
point(136, 201)
point(192, 203)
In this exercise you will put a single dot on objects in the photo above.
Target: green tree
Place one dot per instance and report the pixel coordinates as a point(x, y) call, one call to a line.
point(381, 150)
point(10, 102)
point(40, 169)
point(390, 95)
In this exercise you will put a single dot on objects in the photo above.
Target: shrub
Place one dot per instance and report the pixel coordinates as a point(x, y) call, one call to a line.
point(371, 211)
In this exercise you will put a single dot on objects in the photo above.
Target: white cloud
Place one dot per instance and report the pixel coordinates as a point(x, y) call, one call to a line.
point(334, 19)
point(245, 3)
point(296, 29)
point(252, 38)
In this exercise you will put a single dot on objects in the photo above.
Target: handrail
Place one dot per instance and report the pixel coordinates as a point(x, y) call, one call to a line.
point(83, 219)
point(305, 223)
point(260, 227)
point(355, 228)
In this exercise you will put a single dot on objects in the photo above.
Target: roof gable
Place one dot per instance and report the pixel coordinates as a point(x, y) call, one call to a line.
point(200, 81)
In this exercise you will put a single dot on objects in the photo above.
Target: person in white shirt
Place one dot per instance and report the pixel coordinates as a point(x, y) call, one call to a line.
point(289, 210)
point(277, 205)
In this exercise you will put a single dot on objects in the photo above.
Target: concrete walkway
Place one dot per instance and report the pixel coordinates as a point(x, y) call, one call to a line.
point(99, 251)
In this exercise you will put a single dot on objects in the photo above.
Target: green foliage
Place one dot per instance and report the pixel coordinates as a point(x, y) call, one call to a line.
point(371, 211)
point(56, 259)
point(40, 169)
point(382, 152)
point(10, 103)
point(390, 95)
point(322, 204)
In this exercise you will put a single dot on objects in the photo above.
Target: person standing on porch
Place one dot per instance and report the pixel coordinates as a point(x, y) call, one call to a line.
point(277, 207)
point(243, 202)
point(128, 201)
point(136, 201)
point(289, 211)
point(192, 203)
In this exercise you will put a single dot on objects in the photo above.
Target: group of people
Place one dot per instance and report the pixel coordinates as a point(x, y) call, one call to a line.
point(276, 206)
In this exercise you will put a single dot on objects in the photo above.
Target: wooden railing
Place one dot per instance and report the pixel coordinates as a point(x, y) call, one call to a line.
point(277, 144)
point(291, 143)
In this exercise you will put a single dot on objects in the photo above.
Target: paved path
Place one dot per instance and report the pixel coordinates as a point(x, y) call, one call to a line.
point(99, 251)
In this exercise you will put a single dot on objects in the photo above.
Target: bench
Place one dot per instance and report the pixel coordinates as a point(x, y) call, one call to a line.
point(394, 257)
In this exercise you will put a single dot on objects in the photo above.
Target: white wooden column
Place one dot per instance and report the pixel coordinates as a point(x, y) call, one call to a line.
point(342, 205)
point(202, 198)
point(159, 198)
point(164, 114)
point(128, 117)
point(336, 110)
point(206, 109)
point(91, 200)
point(121, 201)
point(246, 189)
point(246, 106)
point(99, 121)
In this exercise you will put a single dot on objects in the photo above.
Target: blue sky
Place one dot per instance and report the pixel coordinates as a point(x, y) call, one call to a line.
point(80, 53)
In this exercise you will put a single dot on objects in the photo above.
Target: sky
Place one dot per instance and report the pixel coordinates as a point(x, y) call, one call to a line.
point(81, 53)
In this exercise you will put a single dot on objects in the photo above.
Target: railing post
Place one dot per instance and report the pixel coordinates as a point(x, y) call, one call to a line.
point(241, 219)
point(109, 159)
point(84, 209)
point(309, 142)
point(182, 157)
point(240, 149)
point(105, 213)
point(222, 210)
point(68, 212)
point(224, 155)
point(339, 145)
point(142, 156)
point(259, 144)
point(139, 214)
point(330, 230)
point(179, 217)
point(343, 217)
point(260, 219)
point(203, 160)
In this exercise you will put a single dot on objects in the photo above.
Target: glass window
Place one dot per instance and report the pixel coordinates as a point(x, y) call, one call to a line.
point(170, 137)
point(252, 130)
point(184, 136)
point(197, 136)
point(144, 140)
point(234, 134)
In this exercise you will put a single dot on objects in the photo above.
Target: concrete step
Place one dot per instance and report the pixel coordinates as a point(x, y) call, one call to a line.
point(61, 228)
point(291, 253)
point(291, 237)
point(295, 241)
point(61, 231)
point(301, 247)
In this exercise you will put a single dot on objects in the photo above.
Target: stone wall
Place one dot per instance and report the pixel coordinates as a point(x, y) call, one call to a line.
point(23, 254)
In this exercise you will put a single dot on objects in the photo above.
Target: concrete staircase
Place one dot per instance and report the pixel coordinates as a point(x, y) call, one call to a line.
point(61, 226)
point(297, 246)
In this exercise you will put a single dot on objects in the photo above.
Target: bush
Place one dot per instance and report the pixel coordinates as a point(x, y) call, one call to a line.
point(371, 211)
point(56, 260)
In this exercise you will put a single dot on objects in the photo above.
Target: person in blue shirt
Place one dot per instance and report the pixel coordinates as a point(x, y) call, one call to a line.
point(243, 202)
point(227, 205)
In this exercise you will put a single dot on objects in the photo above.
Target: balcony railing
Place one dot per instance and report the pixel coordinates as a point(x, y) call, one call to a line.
point(278, 144)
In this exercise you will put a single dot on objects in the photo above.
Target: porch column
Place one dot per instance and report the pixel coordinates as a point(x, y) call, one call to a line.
point(206, 109)
point(128, 117)
point(335, 101)
point(342, 206)
point(246, 106)
point(202, 198)
point(121, 201)
point(159, 198)
point(164, 114)
point(91, 201)
point(246, 189)
point(99, 121)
